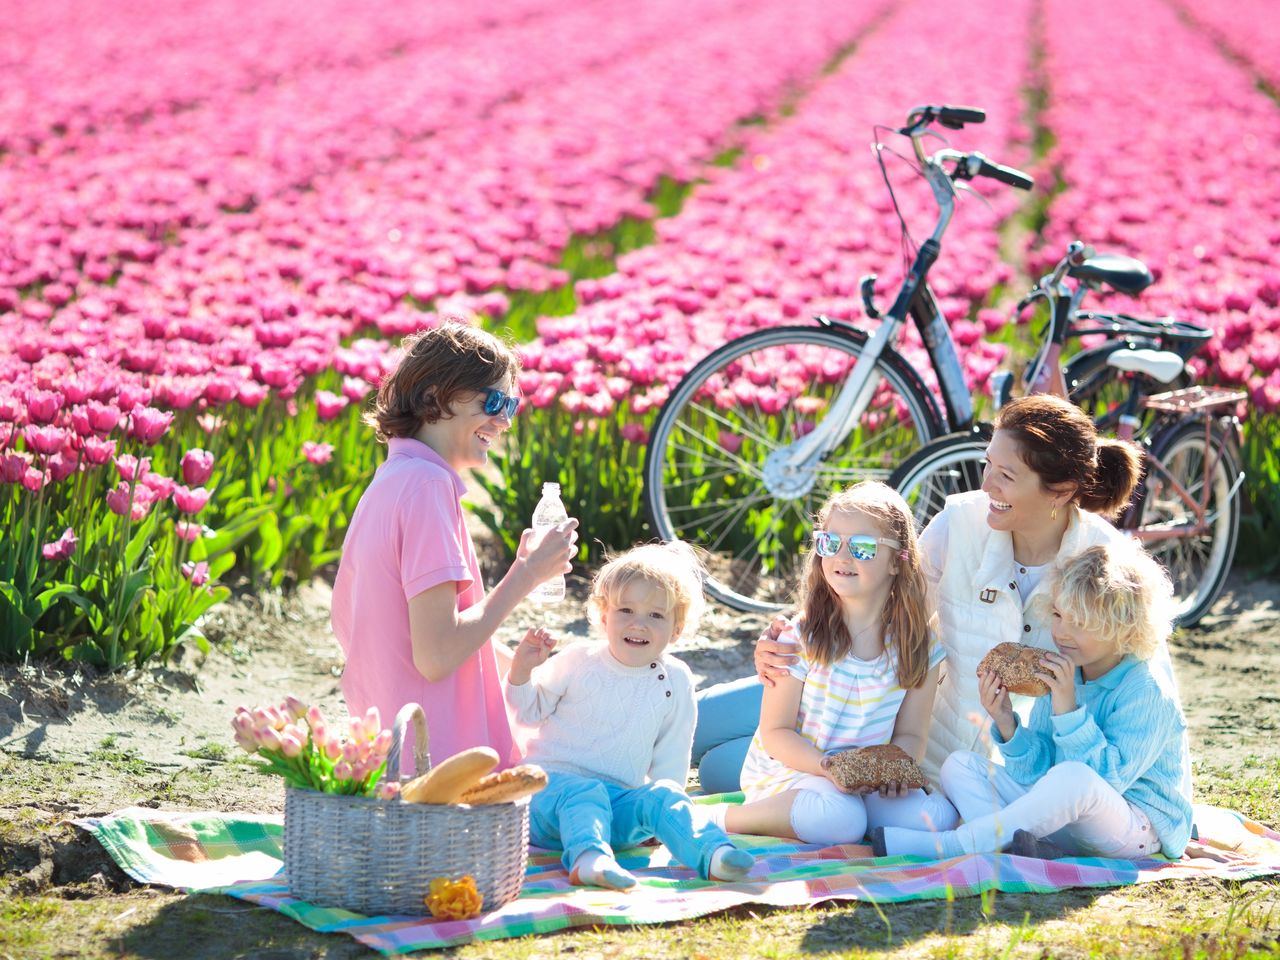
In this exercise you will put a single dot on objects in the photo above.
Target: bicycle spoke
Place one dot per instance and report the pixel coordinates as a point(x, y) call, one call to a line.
point(741, 512)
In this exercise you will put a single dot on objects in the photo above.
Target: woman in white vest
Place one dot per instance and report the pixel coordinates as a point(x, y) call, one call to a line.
point(1049, 482)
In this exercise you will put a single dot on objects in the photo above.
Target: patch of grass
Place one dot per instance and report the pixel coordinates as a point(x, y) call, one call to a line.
point(125, 761)
point(1253, 787)
point(209, 750)
point(21, 921)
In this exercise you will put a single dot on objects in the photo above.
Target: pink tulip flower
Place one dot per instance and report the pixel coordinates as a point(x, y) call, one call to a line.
point(132, 468)
point(317, 453)
point(62, 548)
point(247, 741)
point(188, 531)
point(197, 573)
point(190, 501)
point(43, 405)
point(290, 744)
point(159, 484)
point(268, 738)
point(197, 467)
point(102, 417)
point(330, 405)
point(45, 441)
point(148, 424)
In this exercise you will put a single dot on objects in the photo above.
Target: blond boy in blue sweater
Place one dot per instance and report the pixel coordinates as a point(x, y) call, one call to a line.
point(1098, 769)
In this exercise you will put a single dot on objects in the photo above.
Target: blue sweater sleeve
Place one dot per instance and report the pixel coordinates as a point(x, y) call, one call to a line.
point(1123, 742)
point(1028, 754)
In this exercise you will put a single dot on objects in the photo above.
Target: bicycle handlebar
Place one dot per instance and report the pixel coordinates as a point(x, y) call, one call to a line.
point(1006, 175)
point(953, 118)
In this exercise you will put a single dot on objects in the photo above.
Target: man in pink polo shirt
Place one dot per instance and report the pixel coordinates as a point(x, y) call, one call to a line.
point(409, 607)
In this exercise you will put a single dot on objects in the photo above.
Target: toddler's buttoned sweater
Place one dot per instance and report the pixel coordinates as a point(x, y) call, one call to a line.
point(586, 714)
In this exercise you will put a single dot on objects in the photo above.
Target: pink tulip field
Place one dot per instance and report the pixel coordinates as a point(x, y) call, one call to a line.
point(215, 226)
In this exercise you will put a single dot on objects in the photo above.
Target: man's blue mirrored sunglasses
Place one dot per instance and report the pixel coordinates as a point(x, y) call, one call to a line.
point(496, 402)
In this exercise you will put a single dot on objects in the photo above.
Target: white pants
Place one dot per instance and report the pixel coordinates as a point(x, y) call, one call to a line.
point(1071, 805)
point(821, 813)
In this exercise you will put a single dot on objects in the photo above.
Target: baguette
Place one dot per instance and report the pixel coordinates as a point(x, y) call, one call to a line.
point(448, 780)
point(507, 786)
point(1016, 664)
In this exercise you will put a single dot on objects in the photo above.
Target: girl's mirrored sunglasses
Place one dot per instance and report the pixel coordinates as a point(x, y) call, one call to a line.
point(496, 402)
point(861, 547)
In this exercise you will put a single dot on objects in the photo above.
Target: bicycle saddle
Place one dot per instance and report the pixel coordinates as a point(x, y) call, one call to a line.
point(1117, 271)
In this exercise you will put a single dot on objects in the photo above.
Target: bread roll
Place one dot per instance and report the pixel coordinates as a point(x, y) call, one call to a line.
point(507, 786)
point(1016, 665)
point(449, 779)
point(870, 768)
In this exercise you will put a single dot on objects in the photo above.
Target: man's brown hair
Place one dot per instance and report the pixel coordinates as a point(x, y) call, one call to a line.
point(436, 367)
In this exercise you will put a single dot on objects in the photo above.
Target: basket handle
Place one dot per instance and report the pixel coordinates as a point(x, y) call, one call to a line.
point(421, 741)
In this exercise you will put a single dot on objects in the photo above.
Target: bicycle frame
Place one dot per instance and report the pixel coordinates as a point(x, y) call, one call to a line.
point(1199, 508)
point(785, 465)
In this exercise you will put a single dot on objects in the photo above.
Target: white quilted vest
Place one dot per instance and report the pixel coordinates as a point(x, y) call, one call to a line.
point(978, 607)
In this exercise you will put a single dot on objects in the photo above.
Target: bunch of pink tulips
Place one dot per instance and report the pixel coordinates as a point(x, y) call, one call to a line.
point(296, 742)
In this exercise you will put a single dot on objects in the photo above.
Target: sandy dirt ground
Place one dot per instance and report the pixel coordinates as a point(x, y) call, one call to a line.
point(73, 744)
point(177, 718)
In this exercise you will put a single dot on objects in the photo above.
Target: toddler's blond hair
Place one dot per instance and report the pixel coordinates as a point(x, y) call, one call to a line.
point(673, 567)
point(1119, 593)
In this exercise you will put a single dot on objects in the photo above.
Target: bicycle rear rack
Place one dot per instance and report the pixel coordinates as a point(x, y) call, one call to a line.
point(1192, 399)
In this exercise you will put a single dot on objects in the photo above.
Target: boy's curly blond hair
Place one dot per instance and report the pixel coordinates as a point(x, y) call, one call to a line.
point(673, 567)
point(1118, 593)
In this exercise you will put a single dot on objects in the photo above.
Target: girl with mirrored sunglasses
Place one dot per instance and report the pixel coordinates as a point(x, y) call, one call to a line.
point(866, 671)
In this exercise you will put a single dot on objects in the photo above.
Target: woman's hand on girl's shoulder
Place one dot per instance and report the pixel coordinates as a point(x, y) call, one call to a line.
point(774, 657)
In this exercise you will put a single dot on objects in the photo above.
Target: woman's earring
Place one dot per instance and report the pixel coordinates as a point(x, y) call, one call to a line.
point(1054, 514)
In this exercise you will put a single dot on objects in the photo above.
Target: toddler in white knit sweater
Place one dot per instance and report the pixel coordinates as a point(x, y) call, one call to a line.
point(612, 724)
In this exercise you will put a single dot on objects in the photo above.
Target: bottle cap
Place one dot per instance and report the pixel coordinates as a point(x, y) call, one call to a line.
point(551, 488)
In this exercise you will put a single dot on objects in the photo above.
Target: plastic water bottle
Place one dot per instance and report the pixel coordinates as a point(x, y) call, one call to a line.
point(548, 513)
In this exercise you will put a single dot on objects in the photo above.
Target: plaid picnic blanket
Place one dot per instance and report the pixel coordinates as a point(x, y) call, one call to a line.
point(240, 856)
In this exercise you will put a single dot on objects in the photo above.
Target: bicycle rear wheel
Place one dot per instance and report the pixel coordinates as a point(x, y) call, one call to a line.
point(942, 467)
point(704, 473)
point(1197, 563)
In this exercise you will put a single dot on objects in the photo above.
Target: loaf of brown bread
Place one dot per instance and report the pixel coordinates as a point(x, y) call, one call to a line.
point(870, 768)
point(507, 786)
point(1016, 665)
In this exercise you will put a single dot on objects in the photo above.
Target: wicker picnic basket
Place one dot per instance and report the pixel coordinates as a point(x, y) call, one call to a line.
point(379, 857)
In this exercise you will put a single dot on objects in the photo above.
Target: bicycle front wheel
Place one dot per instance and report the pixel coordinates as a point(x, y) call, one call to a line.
point(705, 471)
point(942, 467)
point(1206, 468)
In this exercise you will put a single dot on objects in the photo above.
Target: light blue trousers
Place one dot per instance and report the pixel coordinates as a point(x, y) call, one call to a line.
point(579, 814)
point(728, 715)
